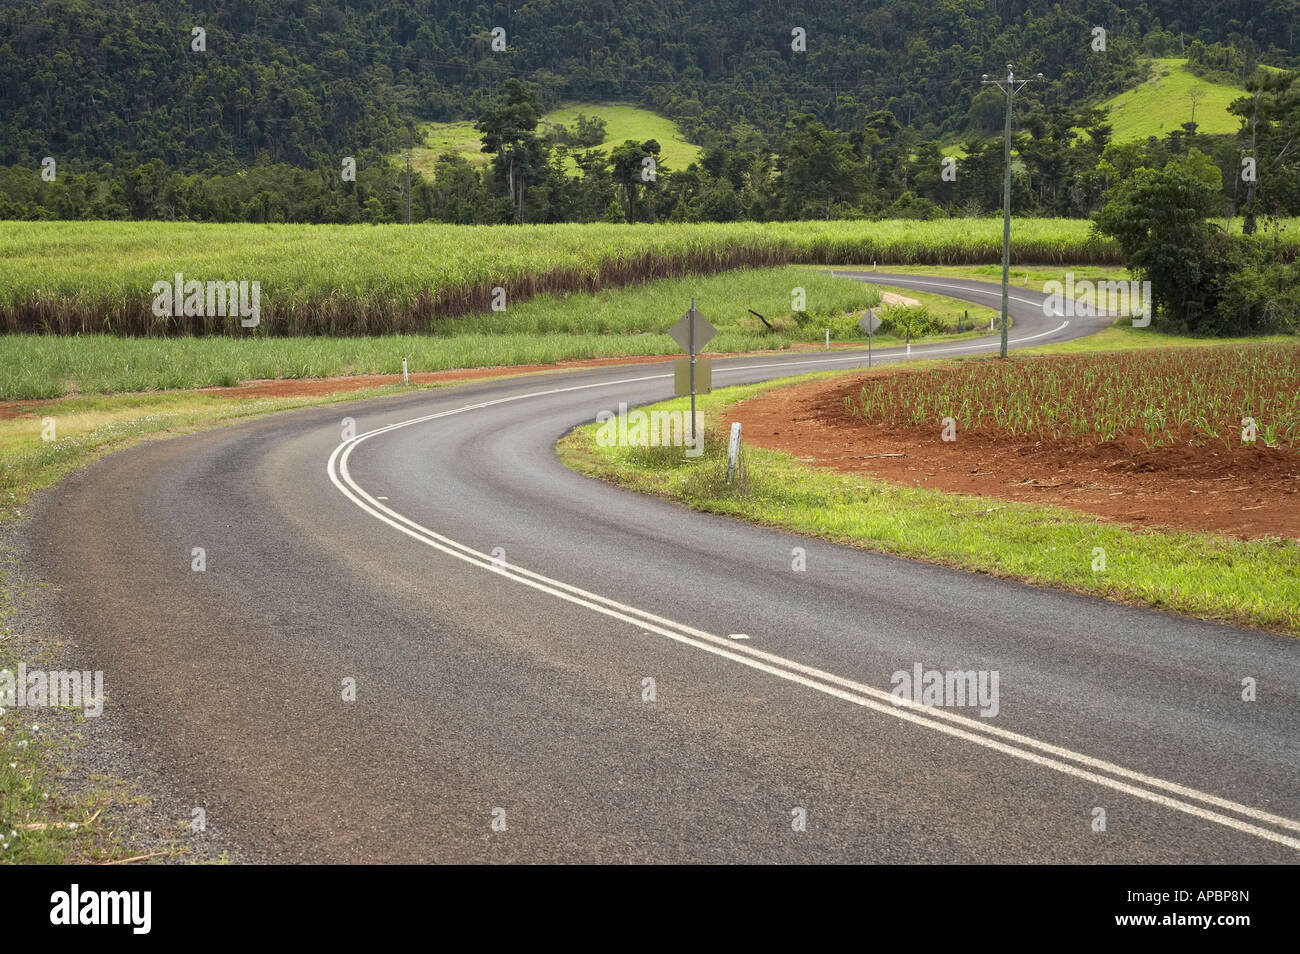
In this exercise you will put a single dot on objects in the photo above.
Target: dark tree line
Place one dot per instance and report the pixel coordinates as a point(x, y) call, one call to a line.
point(1064, 164)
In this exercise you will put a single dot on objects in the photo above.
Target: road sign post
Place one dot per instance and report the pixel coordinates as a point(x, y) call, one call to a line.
point(869, 323)
point(691, 335)
point(691, 332)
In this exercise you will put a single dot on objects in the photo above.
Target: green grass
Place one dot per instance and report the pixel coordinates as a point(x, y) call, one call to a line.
point(1123, 337)
point(1022, 276)
point(1161, 104)
point(622, 122)
point(617, 322)
point(88, 427)
point(652, 308)
point(39, 823)
point(1199, 574)
point(950, 311)
point(460, 138)
point(42, 366)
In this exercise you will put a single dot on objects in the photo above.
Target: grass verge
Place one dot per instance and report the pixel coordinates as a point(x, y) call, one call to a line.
point(1254, 583)
point(1123, 337)
point(41, 821)
point(1032, 277)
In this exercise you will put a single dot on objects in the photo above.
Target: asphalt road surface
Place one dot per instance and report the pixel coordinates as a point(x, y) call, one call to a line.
point(501, 619)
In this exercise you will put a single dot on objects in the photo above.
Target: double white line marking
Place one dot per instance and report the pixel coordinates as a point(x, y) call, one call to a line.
point(1181, 798)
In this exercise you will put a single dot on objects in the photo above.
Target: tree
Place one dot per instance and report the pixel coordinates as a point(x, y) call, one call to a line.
point(819, 168)
point(1158, 218)
point(588, 133)
point(987, 112)
point(1270, 127)
point(1196, 94)
point(456, 189)
point(510, 133)
point(142, 190)
point(629, 163)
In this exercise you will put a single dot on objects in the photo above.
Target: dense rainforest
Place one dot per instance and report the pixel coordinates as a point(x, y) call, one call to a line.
point(223, 111)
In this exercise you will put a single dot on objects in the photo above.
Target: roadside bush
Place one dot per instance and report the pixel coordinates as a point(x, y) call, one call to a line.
point(900, 319)
point(1204, 280)
point(1262, 300)
point(843, 327)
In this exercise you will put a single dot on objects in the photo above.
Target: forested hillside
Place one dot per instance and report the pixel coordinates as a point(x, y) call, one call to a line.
point(301, 81)
point(145, 116)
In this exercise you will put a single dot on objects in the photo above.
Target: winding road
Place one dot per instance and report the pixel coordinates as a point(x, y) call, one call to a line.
point(536, 649)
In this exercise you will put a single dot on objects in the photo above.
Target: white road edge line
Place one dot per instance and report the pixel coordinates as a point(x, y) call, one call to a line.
point(877, 699)
point(974, 291)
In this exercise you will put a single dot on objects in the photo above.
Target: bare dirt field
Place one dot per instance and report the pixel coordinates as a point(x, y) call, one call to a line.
point(1245, 490)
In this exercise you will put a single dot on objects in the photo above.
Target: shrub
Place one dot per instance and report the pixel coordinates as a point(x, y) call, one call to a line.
point(1262, 300)
point(900, 319)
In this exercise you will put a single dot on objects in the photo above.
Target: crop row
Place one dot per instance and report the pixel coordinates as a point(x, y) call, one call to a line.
point(80, 277)
point(611, 323)
point(1198, 395)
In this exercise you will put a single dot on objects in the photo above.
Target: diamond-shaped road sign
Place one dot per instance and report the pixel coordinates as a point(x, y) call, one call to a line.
point(681, 332)
point(870, 321)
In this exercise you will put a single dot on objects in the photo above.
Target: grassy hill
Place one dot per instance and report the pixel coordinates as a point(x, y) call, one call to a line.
point(1162, 103)
point(461, 138)
point(624, 122)
point(621, 122)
